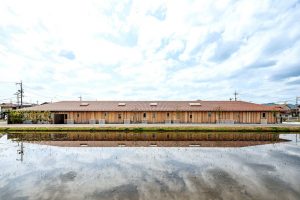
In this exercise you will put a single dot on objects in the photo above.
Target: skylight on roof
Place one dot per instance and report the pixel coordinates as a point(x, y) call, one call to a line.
point(84, 104)
point(195, 104)
point(121, 104)
point(153, 104)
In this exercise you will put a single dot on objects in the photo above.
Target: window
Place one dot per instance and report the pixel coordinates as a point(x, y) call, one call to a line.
point(144, 115)
point(195, 104)
point(191, 116)
point(119, 116)
point(263, 115)
point(209, 114)
point(153, 115)
point(77, 114)
point(105, 114)
point(168, 114)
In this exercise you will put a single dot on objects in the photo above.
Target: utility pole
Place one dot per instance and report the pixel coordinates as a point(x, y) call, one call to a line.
point(235, 95)
point(21, 92)
point(18, 97)
point(297, 109)
point(297, 100)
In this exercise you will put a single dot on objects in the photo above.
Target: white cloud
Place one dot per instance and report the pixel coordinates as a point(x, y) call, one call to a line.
point(155, 49)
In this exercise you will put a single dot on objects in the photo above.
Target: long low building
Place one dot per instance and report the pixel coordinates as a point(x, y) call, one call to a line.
point(116, 112)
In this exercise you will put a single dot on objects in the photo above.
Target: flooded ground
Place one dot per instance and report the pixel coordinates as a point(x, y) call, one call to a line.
point(140, 166)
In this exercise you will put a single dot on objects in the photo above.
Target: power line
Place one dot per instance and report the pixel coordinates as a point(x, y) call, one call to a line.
point(32, 90)
point(6, 99)
point(7, 82)
point(38, 95)
point(273, 99)
point(285, 100)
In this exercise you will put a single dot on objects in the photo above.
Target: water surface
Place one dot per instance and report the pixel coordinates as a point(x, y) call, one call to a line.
point(70, 167)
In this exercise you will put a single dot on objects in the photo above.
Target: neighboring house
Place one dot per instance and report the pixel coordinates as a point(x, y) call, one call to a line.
point(288, 111)
point(294, 110)
point(112, 112)
point(5, 108)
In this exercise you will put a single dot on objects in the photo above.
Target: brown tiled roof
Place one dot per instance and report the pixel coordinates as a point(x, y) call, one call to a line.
point(283, 108)
point(145, 106)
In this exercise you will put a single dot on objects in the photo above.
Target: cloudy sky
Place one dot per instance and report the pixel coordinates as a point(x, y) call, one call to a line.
point(139, 50)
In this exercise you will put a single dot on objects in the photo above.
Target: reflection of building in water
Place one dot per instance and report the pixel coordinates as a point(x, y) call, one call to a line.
point(167, 139)
point(154, 143)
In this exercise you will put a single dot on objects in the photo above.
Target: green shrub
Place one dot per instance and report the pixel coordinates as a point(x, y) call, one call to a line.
point(18, 117)
point(15, 117)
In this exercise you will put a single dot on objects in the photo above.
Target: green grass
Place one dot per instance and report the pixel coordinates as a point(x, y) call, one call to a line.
point(152, 129)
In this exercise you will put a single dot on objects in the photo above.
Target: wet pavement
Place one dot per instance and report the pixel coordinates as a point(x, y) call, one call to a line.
point(36, 167)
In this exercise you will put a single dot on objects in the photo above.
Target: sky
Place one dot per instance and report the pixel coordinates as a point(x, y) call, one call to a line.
point(150, 50)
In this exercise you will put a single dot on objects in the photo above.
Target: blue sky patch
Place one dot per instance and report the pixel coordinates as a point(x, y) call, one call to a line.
point(67, 54)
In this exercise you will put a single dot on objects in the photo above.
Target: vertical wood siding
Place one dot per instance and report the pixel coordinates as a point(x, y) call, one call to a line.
point(178, 117)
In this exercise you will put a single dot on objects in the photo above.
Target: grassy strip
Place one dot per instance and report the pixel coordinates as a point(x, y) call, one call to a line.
point(152, 129)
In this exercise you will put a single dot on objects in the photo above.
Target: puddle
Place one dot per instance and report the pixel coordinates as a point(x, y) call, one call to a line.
point(168, 166)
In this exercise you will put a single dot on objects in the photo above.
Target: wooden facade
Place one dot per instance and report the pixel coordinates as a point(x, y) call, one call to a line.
point(114, 117)
point(159, 112)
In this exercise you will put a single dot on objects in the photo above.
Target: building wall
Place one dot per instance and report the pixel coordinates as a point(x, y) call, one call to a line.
point(179, 117)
